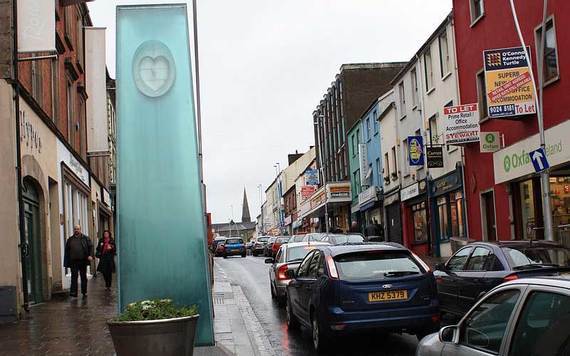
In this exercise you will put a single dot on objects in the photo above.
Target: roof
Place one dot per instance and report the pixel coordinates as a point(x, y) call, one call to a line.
point(561, 281)
point(336, 250)
point(305, 243)
point(518, 243)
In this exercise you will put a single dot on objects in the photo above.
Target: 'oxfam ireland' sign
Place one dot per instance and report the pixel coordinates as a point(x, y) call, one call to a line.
point(490, 142)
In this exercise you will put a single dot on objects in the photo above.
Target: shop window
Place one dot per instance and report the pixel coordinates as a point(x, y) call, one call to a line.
point(456, 213)
point(550, 56)
point(420, 222)
point(443, 219)
point(75, 209)
point(528, 211)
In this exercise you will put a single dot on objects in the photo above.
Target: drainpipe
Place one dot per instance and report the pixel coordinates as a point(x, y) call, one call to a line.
point(24, 248)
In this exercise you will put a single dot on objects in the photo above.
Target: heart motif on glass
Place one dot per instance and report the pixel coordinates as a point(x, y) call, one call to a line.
point(153, 69)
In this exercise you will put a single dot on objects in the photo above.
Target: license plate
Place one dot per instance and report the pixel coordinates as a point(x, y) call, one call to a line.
point(387, 296)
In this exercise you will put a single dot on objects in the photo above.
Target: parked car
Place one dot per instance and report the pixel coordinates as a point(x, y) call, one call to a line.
point(297, 238)
point(259, 246)
point(278, 242)
point(346, 288)
point(339, 239)
point(233, 246)
point(524, 317)
point(217, 250)
point(288, 257)
point(267, 249)
point(479, 267)
point(249, 245)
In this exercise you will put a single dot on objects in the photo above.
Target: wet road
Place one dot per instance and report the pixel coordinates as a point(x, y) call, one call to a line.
point(251, 273)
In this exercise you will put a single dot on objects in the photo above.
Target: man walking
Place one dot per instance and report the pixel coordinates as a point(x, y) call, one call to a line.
point(78, 255)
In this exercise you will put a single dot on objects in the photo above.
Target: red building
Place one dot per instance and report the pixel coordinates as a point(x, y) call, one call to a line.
point(503, 192)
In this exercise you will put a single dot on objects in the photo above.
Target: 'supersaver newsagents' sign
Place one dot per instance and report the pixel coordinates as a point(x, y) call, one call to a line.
point(508, 83)
point(461, 124)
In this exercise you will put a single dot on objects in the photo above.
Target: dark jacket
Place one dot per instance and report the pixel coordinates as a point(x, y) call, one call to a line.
point(87, 249)
point(106, 259)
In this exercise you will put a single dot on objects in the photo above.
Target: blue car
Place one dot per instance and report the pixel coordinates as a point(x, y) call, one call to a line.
point(346, 288)
point(233, 246)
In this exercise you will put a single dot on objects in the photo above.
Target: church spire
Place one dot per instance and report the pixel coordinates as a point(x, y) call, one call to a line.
point(245, 217)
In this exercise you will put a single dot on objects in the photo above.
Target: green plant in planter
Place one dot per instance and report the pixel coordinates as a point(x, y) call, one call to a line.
point(156, 309)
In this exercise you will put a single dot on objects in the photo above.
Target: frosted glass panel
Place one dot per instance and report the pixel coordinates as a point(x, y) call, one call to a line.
point(162, 252)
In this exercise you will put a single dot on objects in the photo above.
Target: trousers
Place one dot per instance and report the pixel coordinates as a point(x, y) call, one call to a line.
point(78, 267)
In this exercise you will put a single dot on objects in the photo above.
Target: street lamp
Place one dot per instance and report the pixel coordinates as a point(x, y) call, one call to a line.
point(321, 168)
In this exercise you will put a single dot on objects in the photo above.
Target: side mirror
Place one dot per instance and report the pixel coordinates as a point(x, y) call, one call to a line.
point(291, 273)
point(440, 267)
point(269, 260)
point(448, 333)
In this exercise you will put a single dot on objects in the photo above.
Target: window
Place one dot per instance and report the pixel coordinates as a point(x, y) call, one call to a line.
point(386, 167)
point(375, 121)
point(68, 18)
point(428, 70)
point(485, 327)
point(550, 59)
point(79, 39)
point(70, 121)
point(368, 133)
point(304, 266)
point(55, 89)
point(482, 94)
point(420, 222)
point(405, 163)
point(542, 326)
point(75, 209)
point(357, 267)
point(37, 82)
point(444, 64)
point(478, 259)
point(378, 170)
point(402, 93)
point(357, 182)
point(442, 218)
point(477, 10)
point(395, 161)
point(457, 262)
point(456, 209)
point(314, 265)
point(353, 142)
point(415, 100)
point(433, 130)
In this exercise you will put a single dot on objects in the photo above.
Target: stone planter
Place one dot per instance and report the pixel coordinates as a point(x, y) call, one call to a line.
point(154, 337)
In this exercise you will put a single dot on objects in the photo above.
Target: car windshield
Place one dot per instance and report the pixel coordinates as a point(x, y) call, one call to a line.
point(345, 239)
point(373, 265)
point(262, 239)
point(540, 255)
point(298, 253)
point(234, 241)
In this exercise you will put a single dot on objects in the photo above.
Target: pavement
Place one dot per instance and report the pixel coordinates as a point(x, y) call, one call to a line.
point(77, 326)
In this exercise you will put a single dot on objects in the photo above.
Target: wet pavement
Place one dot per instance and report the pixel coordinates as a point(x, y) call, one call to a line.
point(251, 274)
point(64, 326)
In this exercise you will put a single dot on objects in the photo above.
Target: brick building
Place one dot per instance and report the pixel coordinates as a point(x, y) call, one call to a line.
point(45, 101)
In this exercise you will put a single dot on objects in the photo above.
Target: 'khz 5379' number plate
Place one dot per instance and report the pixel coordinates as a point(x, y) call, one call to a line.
point(387, 296)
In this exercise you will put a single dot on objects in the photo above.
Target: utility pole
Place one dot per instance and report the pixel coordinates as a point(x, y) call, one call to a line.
point(545, 174)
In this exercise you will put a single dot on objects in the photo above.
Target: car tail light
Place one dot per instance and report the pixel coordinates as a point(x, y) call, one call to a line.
point(282, 272)
point(332, 267)
point(510, 277)
point(436, 318)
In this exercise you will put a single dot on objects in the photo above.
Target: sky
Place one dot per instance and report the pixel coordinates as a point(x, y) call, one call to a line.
point(264, 67)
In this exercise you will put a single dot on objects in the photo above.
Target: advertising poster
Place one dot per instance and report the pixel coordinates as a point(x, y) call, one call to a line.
point(508, 83)
point(461, 124)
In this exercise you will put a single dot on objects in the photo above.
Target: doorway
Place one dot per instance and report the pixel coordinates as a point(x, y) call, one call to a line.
point(394, 223)
point(32, 244)
point(488, 214)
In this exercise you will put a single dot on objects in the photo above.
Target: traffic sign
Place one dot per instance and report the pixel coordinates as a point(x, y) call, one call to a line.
point(538, 159)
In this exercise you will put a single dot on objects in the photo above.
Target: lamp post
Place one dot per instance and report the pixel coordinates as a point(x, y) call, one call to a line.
point(321, 169)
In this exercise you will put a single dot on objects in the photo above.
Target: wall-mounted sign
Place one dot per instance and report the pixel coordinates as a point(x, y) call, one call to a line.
point(307, 191)
point(311, 176)
point(36, 26)
point(410, 192)
point(363, 161)
point(416, 150)
point(508, 83)
point(339, 192)
point(461, 124)
point(490, 141)
point(434, 156)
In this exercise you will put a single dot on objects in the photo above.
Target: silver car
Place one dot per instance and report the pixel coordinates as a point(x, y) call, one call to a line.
point(288, 257)
point(525, 317)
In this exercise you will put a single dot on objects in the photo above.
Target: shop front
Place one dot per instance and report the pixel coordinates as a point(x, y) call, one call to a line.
point(333, 200)
point(448, 211)
point(514, 168)
point(370, 206)
point(415, 214)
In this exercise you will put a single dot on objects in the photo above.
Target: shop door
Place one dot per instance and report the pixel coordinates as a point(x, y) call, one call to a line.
point(394, 221)
point(31, 246)
point(489, 214)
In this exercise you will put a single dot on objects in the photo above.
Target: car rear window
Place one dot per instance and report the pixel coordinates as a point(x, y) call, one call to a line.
point(519, 257)
point(298, 253)
point(373, 265)
point(344, 239)
point(234, 241)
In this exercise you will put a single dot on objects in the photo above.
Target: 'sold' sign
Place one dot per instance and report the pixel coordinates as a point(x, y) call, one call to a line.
point(461, 124)
point(508, 83)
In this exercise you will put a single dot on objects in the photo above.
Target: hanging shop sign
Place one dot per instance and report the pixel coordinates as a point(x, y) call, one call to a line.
point(490, 142)
point(434, 156)
point(363, 161)
point(508, 83)
point(416, 150)
point(36, 26)
point(461, 124)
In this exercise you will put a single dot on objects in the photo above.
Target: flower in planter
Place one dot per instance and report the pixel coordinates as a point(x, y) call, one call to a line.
point(156, 309)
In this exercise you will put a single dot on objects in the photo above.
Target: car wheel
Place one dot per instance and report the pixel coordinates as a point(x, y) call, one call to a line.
point(292, 322)
point(320, 338)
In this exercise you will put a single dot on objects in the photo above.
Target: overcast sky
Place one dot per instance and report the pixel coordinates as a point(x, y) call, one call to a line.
point(265, 65)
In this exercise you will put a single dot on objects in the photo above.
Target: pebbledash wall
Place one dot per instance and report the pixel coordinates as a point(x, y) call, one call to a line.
point(503, 193)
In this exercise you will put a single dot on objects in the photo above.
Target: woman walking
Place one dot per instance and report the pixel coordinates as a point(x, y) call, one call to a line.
point(106, 254)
